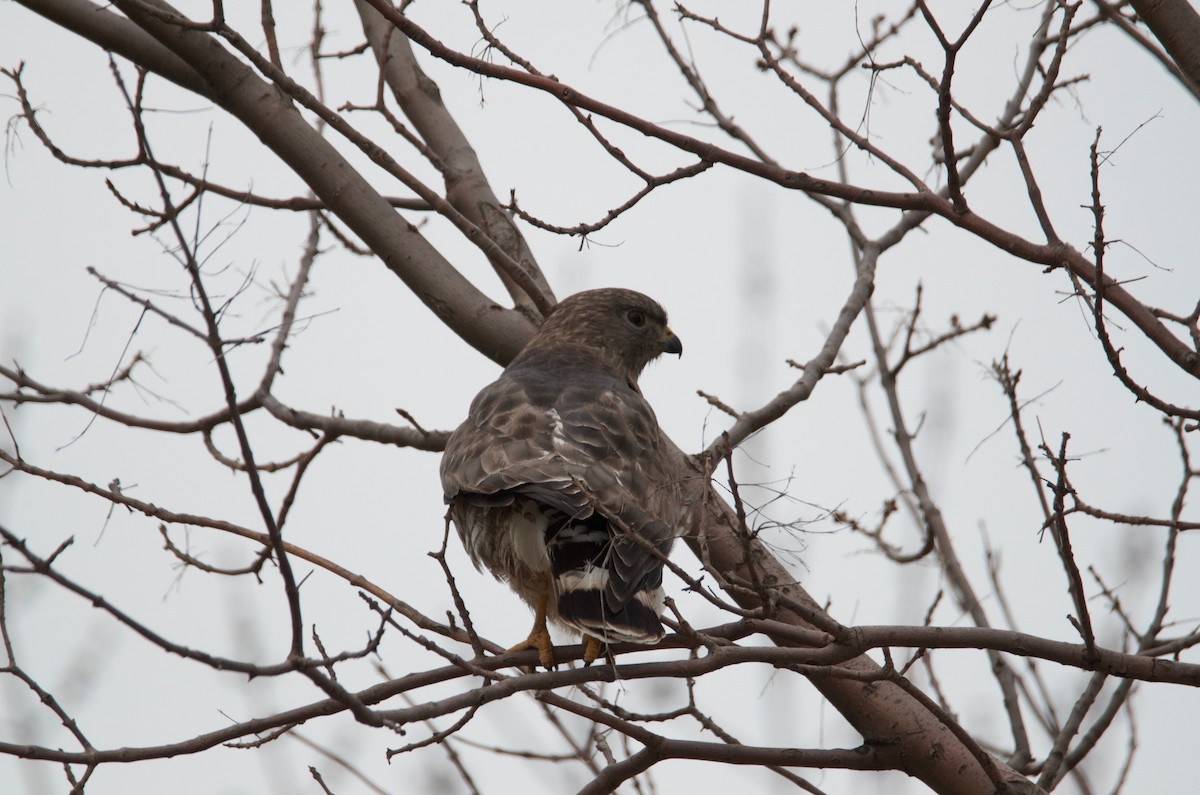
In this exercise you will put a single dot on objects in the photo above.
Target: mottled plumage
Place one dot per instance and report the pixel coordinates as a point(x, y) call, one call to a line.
point(560, 460)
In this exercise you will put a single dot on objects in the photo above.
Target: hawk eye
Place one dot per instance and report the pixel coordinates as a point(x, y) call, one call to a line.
point(637, 317)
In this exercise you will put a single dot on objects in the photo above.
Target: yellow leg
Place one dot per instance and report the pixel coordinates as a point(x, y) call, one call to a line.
point(591, 649)
point(539, 636)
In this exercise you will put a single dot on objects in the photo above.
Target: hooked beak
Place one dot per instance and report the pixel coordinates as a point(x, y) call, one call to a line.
point(671, 344)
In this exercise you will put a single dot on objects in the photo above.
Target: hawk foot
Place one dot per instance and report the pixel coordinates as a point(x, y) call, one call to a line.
point(539, 638)
point(592, 647)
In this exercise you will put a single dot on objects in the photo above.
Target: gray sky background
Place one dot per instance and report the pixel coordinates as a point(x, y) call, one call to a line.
point(750, 275)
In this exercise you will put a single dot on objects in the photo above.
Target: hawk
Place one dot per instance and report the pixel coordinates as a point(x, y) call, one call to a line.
point(559, 482)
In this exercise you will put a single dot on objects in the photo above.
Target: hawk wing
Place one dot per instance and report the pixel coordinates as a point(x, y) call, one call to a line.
point(579, 441)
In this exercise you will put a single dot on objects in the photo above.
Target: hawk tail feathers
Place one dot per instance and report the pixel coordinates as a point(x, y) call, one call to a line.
point(581, 604)
point(590, 596)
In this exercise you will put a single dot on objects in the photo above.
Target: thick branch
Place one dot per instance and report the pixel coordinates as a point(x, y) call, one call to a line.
point(123, 37)
point(467, 187)
point(1177, 26)
point(268, 113)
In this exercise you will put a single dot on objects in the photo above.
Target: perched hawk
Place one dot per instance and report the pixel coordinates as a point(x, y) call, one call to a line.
point(558, 481)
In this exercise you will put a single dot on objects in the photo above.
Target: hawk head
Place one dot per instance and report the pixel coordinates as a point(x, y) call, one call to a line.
point(623, 328)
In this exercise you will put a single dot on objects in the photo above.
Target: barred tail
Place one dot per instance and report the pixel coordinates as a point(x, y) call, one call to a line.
point(579, 557)
point(581, 604)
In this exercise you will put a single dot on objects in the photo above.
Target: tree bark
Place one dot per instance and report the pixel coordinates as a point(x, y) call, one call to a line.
point(1176, 25)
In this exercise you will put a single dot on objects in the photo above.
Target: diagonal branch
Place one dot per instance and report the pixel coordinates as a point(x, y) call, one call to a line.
point(1176, 24)
point(467, 187)
point(275, 120)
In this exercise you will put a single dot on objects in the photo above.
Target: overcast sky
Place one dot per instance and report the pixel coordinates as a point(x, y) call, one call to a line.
point(750, 275)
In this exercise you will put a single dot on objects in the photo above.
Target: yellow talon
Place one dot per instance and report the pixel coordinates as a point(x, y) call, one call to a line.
point(591, 649)
point(539, 636)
